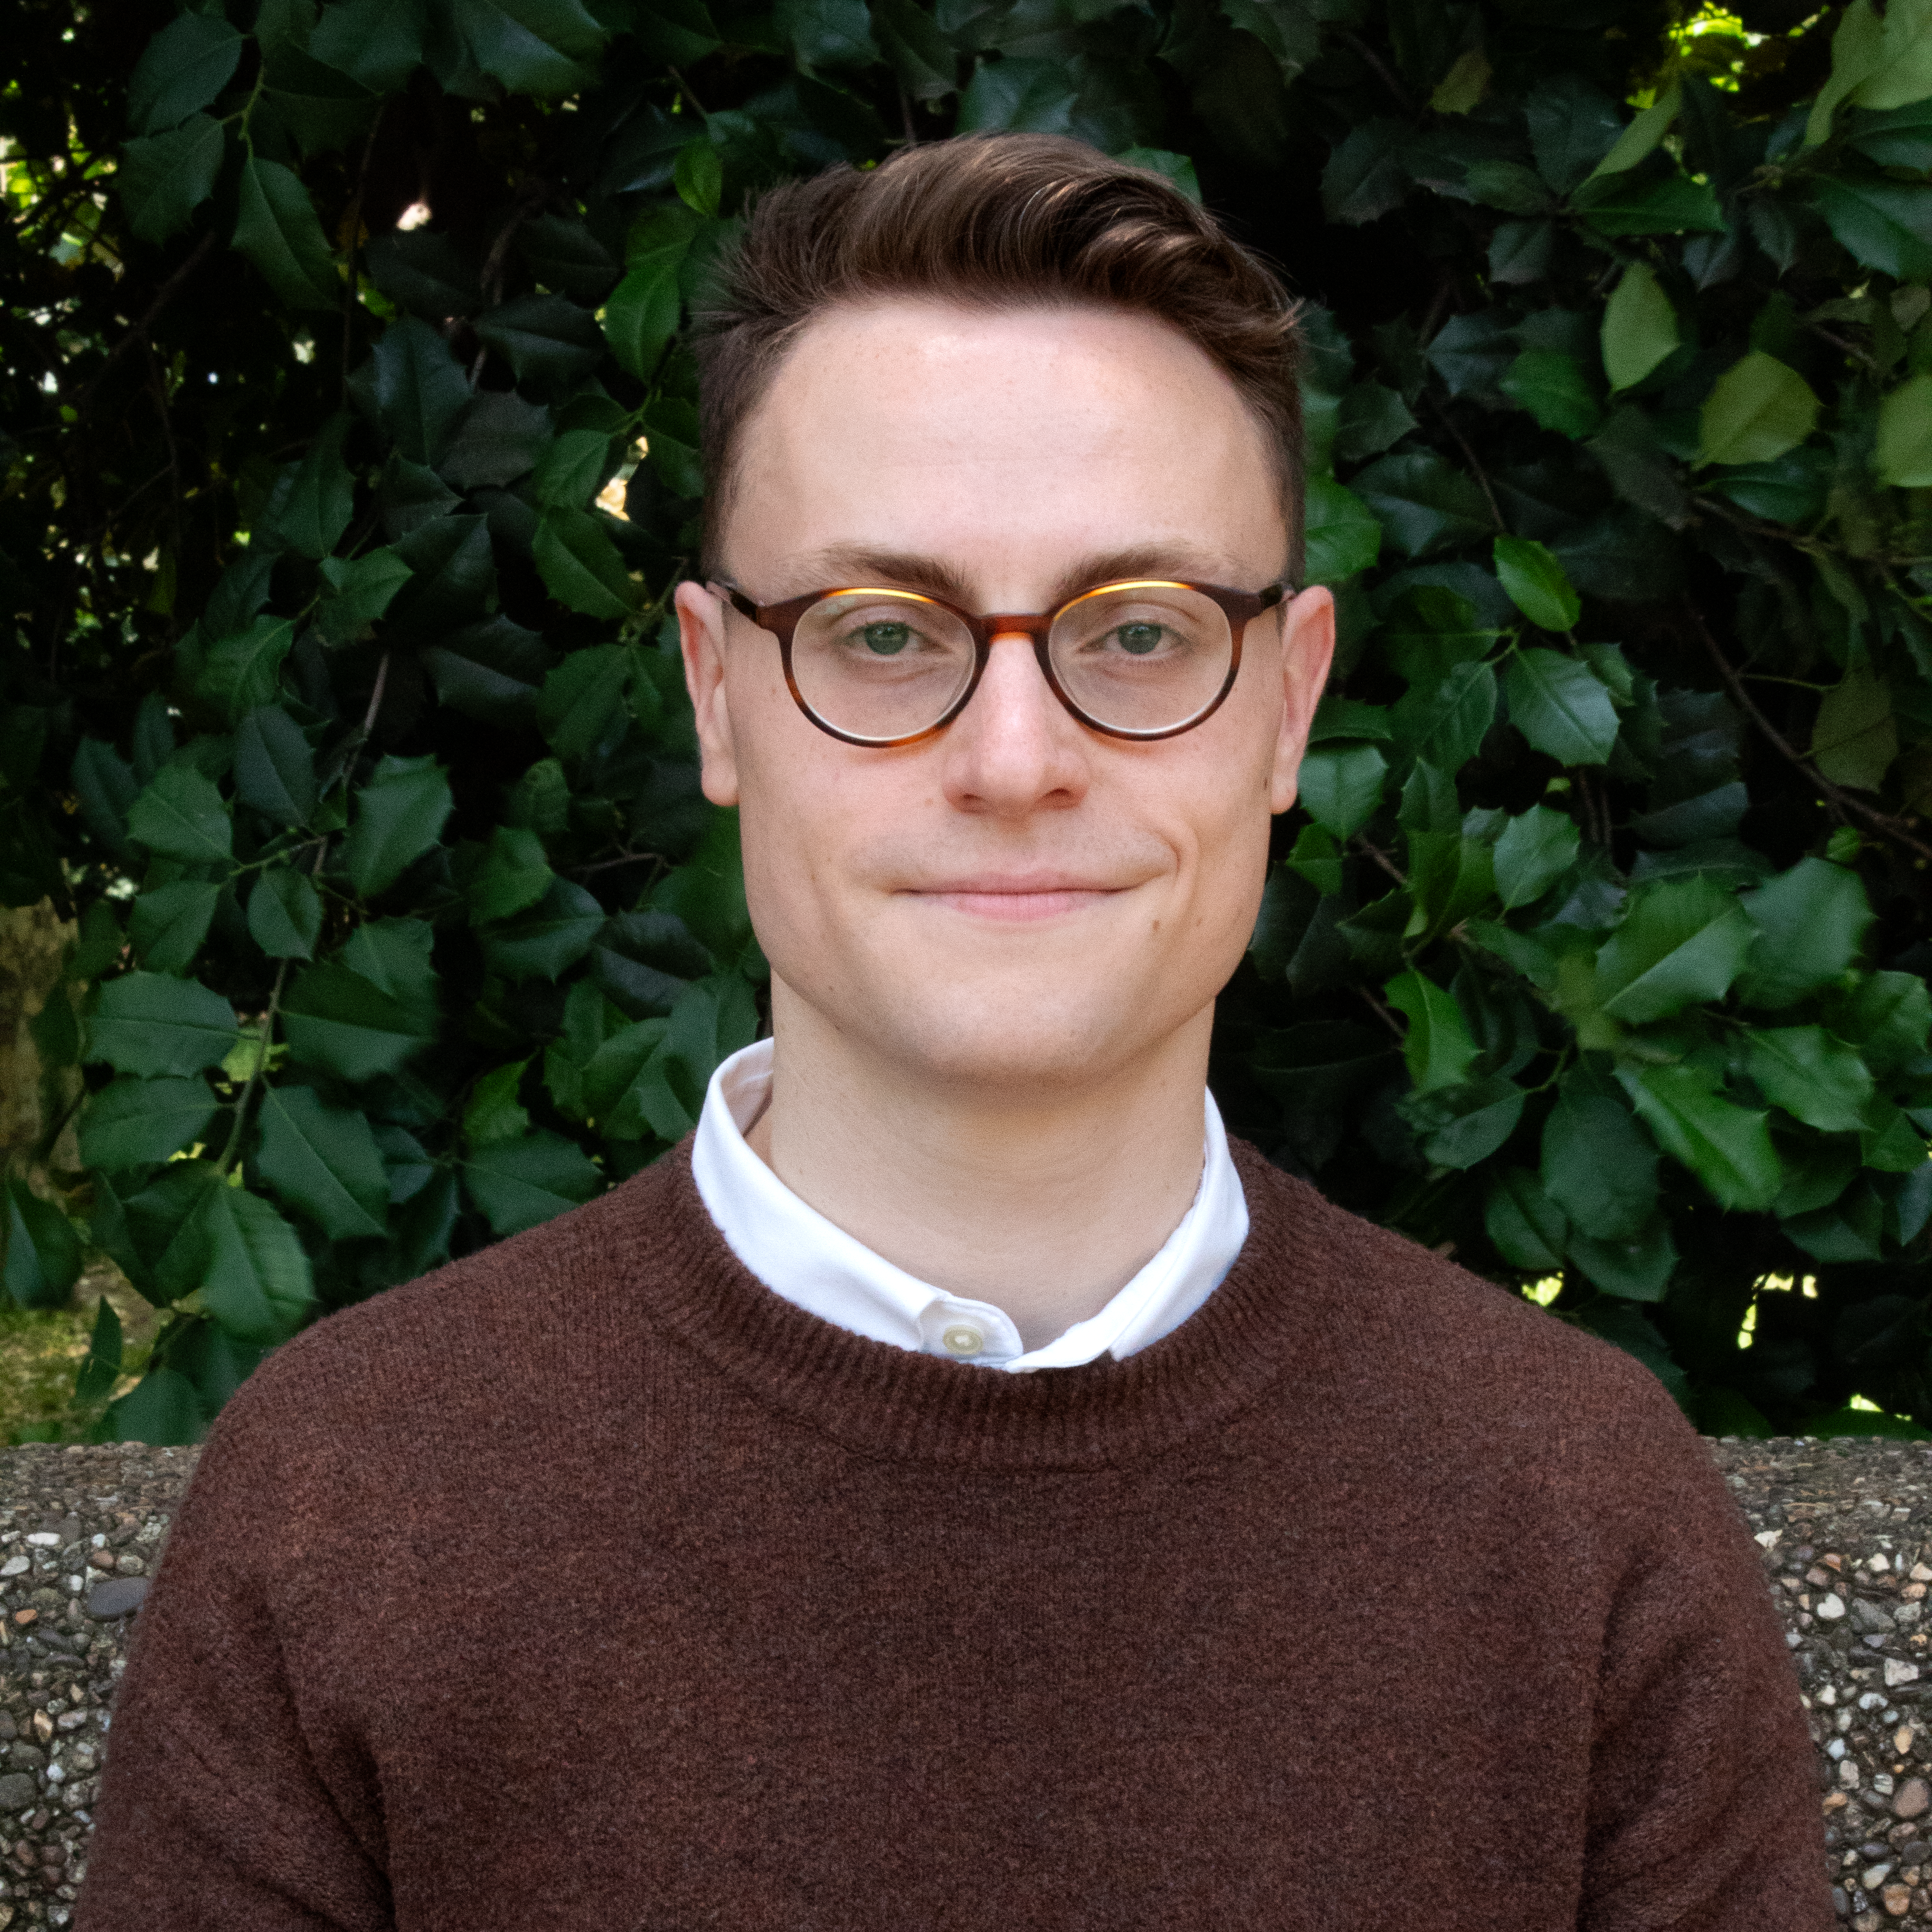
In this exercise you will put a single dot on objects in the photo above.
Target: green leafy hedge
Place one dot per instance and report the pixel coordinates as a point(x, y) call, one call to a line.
point(351, 462)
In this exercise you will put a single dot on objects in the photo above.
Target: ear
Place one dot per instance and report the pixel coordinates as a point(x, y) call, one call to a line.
point(700, 629)
point(1307, 645)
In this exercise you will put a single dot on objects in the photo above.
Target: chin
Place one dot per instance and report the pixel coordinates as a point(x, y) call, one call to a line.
point(1007, 1037)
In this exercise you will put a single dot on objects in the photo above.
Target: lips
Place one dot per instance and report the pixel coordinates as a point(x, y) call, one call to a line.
point(1017, 899)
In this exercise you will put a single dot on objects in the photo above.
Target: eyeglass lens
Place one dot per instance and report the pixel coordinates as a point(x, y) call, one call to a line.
point(1137, 657)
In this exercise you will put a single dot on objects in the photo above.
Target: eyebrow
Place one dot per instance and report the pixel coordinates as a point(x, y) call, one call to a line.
point(857, 566)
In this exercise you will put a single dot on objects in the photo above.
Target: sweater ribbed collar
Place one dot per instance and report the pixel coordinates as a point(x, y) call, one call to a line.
point(674, 1267)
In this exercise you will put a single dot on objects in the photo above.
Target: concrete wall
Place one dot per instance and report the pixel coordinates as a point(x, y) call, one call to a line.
point(1846, 1530)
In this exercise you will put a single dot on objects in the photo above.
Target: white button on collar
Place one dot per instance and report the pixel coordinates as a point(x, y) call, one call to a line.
point(961, 1338)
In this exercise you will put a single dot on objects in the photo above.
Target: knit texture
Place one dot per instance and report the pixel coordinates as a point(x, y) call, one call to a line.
point(588, 1586)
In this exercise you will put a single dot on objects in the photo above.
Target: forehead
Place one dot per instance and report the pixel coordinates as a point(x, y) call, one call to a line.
point(1000, 439)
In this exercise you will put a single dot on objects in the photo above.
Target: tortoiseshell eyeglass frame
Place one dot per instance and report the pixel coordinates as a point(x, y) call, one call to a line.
point(1241, 607)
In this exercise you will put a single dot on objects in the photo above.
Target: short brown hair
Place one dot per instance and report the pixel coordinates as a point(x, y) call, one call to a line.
point(997, 221)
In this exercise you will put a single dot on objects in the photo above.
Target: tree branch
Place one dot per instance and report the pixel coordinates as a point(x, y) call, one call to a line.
point(1880, 822)
point(163, 295)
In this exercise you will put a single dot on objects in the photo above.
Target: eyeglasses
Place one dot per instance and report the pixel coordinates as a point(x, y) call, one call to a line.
point(1143, 658)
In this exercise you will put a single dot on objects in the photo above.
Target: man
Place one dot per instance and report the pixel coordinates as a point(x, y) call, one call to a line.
point(960, 1488)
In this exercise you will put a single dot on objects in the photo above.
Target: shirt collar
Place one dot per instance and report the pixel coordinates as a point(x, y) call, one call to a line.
point(800, 1255)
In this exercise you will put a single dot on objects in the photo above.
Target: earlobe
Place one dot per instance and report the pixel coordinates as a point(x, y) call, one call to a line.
point(700, 626)
point(1307, 647)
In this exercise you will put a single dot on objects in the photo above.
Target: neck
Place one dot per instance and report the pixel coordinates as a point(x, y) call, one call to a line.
point(1043, 1202)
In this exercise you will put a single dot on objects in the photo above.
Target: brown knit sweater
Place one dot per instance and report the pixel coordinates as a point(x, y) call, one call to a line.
point(587, 1586)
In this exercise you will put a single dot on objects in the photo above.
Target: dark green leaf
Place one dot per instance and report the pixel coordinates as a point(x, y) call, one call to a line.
point(1759, 408)
point(1536, 583)
point(419, 390)
point(245, 671)
point(493, 1112)
point(420, 270)
point(320, 106)
point(1886, 225)
point(1464, 1126)
point(1636, 202)
point(102, 1369)
point(377, 43)
point(1424, 505)
point(547, 340)
point(152, 1025)
point(1437, 1046)
point(571, 469)
point(1640, 327)
point(1814, 1078)
point(135, 1121)
point(1561, 707)
point(489, 671)
point(1366, 176)
point(564, 255)
point(323, 1162)
point(247, 1262)
point(1555, 389)
point(1341, 785)
point(274, 769)
point(1812, 922)
point(399, 815)
point(827, 33)
point(677, 32)
point(1680, 941)
point(1637, 1267)
point(582, 703)
point(552, 935)
point(182, 815)
point(1599, 1166)
point(1725, 1145)
point(499, 438)
point(277, 229)
point(168, 924)
point(162, 1408)
point(1528, 1228)
point(699, 176)
point(1536, 847)
point(642, 315)
point(315, 497)
point(43, 1254)
point(163, 180)
point(285, 914)
point(341, 1022)
point(1854, 739)
point(1573, 126)
point(515, 873)
point(522, 1184)
point(533, 47)
point(914, 48)
point(105, 783)
point(1343, 536)
point(1889, 1016)
point(183, 67)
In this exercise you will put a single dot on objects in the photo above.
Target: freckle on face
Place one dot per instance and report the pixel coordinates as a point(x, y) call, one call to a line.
point(1006, 447)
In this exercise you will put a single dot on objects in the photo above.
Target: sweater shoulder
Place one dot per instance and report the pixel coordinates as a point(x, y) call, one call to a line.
point(1448, 1343)
point(524, 1320)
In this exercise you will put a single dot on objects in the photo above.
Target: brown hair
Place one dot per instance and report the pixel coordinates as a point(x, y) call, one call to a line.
point(999, 221)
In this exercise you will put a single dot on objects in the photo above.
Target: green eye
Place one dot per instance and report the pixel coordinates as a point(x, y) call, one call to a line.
point(886, 640)
point(1137, 639)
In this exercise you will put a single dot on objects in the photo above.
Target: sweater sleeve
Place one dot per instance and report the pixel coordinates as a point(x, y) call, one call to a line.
point(1704, 1805)
point(215, 1816)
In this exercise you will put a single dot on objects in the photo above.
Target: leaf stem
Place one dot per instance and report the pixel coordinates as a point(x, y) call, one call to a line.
point(231, 1152)
point(1843, 802)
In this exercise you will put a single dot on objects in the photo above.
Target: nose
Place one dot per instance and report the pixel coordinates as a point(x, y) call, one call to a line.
point(1015, 749)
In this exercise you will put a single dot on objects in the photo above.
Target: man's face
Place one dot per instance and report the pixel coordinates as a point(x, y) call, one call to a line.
point(1019, 901)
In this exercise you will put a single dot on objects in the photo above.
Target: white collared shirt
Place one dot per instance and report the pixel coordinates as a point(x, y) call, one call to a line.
point(797, 1253)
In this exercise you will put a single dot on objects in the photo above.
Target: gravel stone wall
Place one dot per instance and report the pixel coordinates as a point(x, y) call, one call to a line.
point(1845, 1529)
